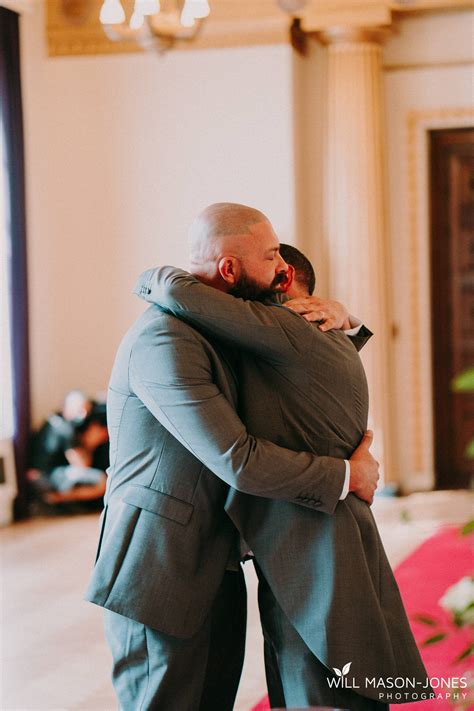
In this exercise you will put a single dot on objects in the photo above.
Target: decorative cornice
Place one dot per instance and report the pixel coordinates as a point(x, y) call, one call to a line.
point(73, 25)
point(320, 17)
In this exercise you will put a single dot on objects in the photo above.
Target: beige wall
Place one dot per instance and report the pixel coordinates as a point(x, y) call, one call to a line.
point(121, 154)
point(123, 151)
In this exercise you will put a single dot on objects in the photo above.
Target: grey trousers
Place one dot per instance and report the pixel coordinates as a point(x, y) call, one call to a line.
point(295, 677)
point(156, 672)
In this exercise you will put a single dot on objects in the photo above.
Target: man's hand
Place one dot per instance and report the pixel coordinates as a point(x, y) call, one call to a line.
point(329, 314)
point(364, 470)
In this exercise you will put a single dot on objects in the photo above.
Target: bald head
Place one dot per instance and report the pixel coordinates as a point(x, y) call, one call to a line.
point(234, 248)
point(222, 228)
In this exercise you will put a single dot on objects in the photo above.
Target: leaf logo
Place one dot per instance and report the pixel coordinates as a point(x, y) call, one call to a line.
point(345, 669)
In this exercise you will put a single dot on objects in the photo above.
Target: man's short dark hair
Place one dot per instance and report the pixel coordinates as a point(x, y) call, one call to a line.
point(304, 272)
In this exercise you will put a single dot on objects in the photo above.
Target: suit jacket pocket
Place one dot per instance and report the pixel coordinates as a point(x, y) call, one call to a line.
point(158, 503)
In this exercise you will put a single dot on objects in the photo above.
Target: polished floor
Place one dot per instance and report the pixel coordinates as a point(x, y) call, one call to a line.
point(53, 655)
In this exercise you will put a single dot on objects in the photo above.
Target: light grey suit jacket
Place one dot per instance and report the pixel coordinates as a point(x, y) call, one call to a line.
point(305, 389)
point(165, 538)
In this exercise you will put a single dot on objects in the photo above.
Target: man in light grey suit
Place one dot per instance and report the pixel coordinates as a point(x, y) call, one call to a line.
point(166, 542)
point(328, 596)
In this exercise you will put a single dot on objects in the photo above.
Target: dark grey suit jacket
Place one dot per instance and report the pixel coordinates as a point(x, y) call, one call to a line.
point(165, 537)
point(305, 389)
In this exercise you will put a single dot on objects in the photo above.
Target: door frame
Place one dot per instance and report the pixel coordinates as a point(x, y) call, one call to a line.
point(416, 412)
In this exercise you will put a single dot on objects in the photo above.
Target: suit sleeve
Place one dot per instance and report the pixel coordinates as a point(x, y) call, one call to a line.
point(362, 337)
point(270, 331)
point(174, 381)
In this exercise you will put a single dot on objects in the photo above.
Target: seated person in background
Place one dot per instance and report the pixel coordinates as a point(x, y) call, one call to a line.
point(69, 453)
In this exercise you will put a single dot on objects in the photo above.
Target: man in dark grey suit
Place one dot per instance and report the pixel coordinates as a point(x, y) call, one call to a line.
point(166, 542)
point(328, 596)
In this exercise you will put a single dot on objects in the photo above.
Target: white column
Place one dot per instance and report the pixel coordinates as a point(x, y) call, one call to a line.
point(355, 211)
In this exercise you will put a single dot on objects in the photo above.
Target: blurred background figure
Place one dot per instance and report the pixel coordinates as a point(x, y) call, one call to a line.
point(70, 453)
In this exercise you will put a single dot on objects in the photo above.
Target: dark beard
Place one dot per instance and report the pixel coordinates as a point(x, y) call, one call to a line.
point(247, 288)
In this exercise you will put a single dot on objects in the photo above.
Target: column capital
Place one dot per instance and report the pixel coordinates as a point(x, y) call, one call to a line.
point(344, 34)
point(326, 15)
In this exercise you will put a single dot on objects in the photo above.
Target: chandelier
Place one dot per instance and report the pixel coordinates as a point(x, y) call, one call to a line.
point(154, 24)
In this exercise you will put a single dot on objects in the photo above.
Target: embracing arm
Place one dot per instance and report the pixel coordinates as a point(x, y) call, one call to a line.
point(174, 382)
point(328, 315)
point(271, 331)
point(361, 337)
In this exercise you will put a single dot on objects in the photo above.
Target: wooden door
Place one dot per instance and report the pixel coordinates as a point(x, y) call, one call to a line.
point(452, 300)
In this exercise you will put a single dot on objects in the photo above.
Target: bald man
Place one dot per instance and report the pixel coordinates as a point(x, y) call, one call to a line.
point(328, 597)
point(167, 569)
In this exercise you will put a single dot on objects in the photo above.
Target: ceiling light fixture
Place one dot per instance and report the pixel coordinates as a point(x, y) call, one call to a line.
point(154, 24)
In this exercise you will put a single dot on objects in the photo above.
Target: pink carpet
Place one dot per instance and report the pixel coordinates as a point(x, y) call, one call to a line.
point(423, 578)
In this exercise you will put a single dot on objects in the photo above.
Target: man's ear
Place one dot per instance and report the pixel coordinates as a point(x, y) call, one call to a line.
point(290, 276)
point(229, 269)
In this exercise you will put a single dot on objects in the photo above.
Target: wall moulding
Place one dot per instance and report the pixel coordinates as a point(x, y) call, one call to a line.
point(468, 61)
